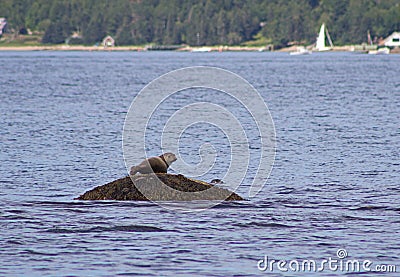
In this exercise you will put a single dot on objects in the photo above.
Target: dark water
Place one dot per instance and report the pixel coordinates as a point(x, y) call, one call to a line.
point(335, 183)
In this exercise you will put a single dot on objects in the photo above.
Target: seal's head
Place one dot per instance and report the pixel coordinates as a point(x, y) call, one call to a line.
point(169, 158)
point(217, 181)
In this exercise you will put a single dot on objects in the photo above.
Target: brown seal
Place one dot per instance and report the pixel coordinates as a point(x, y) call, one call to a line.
point(158, 164)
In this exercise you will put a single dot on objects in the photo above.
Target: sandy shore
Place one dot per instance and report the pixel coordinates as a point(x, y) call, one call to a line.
point(69, 48)
point(124, 48)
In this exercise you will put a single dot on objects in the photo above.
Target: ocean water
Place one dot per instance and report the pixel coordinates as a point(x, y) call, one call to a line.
point(334, 188)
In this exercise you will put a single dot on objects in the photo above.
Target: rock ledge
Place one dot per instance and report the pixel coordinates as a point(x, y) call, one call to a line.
point(158, 187)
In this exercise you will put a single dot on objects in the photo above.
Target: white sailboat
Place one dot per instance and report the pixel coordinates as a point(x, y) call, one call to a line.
point(380, 51)
point(320, 45)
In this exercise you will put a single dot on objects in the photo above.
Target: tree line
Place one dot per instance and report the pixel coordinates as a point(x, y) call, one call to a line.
point(202, 22)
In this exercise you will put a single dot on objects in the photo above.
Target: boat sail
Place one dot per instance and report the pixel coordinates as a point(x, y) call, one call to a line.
point(320, 45)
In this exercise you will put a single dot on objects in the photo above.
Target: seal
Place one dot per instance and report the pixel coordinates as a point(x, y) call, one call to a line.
point(158, 164)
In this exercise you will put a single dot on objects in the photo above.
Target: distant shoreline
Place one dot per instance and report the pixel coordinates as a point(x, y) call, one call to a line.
point(346, 48)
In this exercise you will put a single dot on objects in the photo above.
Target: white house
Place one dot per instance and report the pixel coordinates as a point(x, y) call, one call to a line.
point(3, 24)
point(108, 41)
point(393, 40)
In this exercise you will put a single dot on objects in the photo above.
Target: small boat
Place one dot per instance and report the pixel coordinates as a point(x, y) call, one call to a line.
point(301, 51)
point(380, 51)
point(202, 49)
point(320, 44)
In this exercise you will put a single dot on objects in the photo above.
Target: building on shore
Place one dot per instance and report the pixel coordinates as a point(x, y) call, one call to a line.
point(393, 40)
point(108, 41)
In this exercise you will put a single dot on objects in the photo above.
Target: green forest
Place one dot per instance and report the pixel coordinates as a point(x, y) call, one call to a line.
point(201, 22)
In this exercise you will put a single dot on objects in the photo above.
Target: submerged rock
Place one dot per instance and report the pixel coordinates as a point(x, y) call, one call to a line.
point(158, 187)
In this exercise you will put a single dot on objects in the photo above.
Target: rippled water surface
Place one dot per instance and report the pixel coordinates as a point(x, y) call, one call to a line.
point(335, 183)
